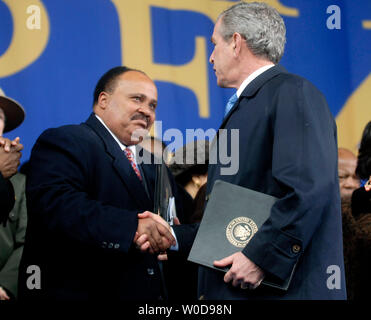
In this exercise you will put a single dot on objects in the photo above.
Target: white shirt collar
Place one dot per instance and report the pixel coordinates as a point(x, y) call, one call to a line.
point(251, 77)
point(122, 146)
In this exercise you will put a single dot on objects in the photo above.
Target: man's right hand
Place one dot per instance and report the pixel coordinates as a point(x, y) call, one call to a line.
point(8, 144)
point(154, 231)
point(10, 153)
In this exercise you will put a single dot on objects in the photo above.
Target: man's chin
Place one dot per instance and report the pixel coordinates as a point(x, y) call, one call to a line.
point(221, 83)
point(346, 198)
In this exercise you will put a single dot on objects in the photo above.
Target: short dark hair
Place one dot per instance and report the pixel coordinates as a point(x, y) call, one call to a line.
point(108, 81)
point(363, 169)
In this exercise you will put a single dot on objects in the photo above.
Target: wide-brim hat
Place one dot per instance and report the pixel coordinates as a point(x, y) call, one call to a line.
point(14, 112)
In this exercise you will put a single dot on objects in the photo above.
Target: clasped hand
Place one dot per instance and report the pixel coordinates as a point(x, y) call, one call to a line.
point(153, 233)
point(243, 271)
point(10, 153)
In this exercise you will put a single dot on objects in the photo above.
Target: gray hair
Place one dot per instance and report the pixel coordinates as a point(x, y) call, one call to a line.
point(259, 24)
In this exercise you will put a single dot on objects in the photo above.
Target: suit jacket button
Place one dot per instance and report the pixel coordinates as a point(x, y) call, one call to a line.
point(296, 248)
point(150, 271)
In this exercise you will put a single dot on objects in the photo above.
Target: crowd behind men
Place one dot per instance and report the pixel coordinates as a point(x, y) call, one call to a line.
point(90, 203)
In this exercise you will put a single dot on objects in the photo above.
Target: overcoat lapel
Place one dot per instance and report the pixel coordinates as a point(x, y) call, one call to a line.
point(251, 89)
point(121, 164)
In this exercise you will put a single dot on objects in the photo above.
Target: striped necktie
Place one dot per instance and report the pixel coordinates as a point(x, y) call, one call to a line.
point(232, 100)
point(129, 154)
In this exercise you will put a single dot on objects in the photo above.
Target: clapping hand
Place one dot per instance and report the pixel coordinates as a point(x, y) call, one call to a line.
point(10, 153)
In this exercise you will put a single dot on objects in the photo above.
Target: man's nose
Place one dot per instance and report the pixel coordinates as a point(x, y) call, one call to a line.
point(145, 109)
point(211, 59)
point(351, 182)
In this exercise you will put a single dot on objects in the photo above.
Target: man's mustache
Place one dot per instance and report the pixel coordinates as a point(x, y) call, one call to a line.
point(140, 116)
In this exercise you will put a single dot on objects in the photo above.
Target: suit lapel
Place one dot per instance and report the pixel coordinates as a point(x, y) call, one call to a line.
point(147, 170)
point(121, 164)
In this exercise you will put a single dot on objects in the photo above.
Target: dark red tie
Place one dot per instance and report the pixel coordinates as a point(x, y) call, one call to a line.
point(130, 156)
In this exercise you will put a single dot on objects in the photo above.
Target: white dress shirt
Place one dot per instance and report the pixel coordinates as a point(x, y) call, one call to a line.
point(251, 77)
point(122, 146)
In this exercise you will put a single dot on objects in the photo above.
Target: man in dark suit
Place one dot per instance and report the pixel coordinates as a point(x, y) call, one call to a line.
point(84, 192)
point(286, 148)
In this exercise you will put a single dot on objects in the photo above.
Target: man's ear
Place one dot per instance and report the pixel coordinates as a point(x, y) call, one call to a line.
point(237, 43)
point(103, 100)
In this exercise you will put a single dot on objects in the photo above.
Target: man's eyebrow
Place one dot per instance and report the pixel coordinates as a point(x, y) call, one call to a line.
point(143, 96)
point(154, 101)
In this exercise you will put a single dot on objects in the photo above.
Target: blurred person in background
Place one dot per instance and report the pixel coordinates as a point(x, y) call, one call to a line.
point(361, 202)
point(363, 169)
point(348, 179)
point(189, 166)
point(157, 147)
point(12, 232)
point(357, 226)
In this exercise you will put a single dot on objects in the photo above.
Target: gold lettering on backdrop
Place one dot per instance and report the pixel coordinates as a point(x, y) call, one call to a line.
point(27, 44)
point(137, 51)
point(366, 24)
point(354, 116)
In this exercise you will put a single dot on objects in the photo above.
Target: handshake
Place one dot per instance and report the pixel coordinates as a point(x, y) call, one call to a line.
point(153, 234)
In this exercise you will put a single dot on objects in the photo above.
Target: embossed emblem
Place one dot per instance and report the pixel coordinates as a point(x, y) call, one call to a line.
point(240, 231)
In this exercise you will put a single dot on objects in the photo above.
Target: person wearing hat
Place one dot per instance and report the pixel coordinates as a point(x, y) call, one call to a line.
point(11, 115)
point(13, 200)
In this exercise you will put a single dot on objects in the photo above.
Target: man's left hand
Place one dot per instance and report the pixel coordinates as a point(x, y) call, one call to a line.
point(3, 294)
point(243, 271)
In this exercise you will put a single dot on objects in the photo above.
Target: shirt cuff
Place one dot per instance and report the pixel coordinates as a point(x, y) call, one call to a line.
point(176, 246)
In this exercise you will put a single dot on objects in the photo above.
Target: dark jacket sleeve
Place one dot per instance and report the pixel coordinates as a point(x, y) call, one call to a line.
point(6, 198)
point(60, 196)
point(185, 235)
